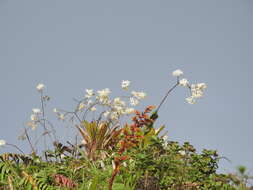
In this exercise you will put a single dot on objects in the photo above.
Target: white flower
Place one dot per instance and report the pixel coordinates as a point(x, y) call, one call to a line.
point(93, 108)
point(105, 114)
point(118, 102)
point(165, 143)
point(197, 93)
point(139, 95)
point(193, 86)
point(114, 116)
point(81, 106)
point(177, 73)
point(62, 156)
point(2, 142)
point(134, 101)
point(183, 82)
point(34, 117)
point(125, 84)
point(197, 90)
point(190, 100)
point(182, 152)
point(103, 95)
point(142, 95)
point(202, 86)
point(32, 124)
point(104, 92)
point(129, 111)
point(119, 109)
point(89, 92)
point(36, 110)
point(165, 137)
point(40, 87)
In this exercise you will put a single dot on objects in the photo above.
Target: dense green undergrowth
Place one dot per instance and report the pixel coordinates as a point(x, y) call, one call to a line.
point(154, 165)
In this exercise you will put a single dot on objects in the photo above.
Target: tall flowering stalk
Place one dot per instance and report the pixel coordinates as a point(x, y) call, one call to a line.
point(131, 138)
point(196, 90)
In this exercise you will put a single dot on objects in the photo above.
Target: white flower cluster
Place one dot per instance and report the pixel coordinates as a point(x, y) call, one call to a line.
point(197, 90)
point(40, 87)
point(113, 108)
point(35, 117)
point(125, 84)
point(103, 96)
point(2, 142)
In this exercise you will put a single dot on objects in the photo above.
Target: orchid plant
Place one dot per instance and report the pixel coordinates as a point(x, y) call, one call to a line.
point(110, 110)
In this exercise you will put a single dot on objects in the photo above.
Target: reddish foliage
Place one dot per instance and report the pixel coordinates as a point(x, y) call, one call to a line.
point(64, 181)
point(131, 138)
point(139, 120)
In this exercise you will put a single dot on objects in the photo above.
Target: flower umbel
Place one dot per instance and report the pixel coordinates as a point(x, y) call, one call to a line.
point(40, 87)
point(134, 101)
point(177, 73)
point(197, 91)
point(89, 93)
point(183, 82)
point(36, 110)
point(139, 95)
point(103, 95)
point(125, 84)
point(2, 142)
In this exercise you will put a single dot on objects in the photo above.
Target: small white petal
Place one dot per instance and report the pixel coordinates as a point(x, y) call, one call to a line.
point(134, 101)
point(165, 137)
point(129, 111)
point(40, 87)
point(139, 95)
point(202, 86)
point(34, 117)
point(89, 92)
point(125, 84)
point(182, 152)
point(36, 110)
point(2, 142)
point(105, 114)
point(177, 73)
point(81, 106)
point(190, 100)
point(118, 102)
point(183, 82)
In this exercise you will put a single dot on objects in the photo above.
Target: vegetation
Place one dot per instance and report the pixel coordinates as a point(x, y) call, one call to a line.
point(110, 155)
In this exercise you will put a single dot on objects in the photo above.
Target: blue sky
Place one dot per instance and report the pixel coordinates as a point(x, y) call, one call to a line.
point(74, 45)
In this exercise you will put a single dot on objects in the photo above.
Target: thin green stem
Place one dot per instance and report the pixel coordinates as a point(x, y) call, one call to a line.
point(166, 95)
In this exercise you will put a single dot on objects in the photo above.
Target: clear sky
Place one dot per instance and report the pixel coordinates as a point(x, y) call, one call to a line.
point(74, 45)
